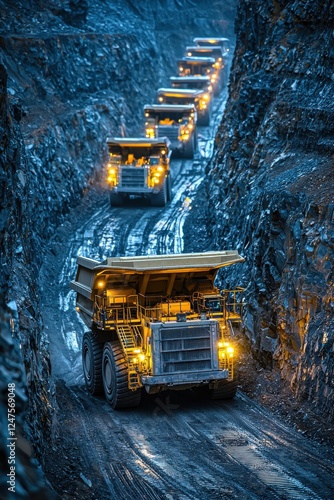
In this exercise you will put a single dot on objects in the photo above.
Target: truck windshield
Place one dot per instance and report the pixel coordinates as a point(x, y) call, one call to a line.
point(213, 304)
point(154, 160)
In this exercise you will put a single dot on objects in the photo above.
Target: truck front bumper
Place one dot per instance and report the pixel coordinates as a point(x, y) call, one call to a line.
point(184, 378)
point(136, 190)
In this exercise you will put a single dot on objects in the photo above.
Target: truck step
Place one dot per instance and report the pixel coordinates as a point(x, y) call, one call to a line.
point(126, 336)
point(133, 380)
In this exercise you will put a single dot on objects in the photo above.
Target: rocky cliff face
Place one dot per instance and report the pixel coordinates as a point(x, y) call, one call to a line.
point(272, 188)
point(24, 359)
point(71, 73)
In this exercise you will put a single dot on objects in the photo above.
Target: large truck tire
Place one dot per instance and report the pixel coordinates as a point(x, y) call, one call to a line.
point(218, 88)
point(160, 199)
point(169, 188)
point(189, 148)
point(205, 119)
point(115, 378)
point(92, 350)
point(116, 200)
point(227, 390)
point(195, 140)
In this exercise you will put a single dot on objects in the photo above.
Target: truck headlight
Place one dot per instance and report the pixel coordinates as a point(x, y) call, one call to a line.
point(112, 176)
point(185, 132)
point(139, 356)
point(225, 349)
point(150, 132)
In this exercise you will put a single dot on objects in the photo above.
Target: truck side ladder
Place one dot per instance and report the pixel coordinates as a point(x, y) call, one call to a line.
point(127, 338)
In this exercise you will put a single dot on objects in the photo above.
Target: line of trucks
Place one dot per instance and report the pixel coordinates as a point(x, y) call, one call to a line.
point(157, 322)
point(141, 166)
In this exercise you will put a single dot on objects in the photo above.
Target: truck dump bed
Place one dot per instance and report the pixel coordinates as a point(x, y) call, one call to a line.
point(153, 274)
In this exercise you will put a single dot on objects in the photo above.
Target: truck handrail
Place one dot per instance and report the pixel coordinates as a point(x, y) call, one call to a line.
point(234, 306)
point(124, 308)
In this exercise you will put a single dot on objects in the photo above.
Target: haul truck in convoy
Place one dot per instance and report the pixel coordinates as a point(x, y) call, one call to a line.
point(156, 322)
point(140, 167)
point(191, 82)
point(220, 65)
point(199, 66)
point(224, 43)
point(214, 51)
point(175, 121)
point(199, 98)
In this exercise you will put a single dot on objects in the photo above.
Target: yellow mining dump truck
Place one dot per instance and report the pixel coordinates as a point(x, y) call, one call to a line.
point(192, 82)
point(199, 66)
point(176, 122)
point(220, 65)
point(224, 43)
point(156, 322)
point(139, 167)
point(199, 98)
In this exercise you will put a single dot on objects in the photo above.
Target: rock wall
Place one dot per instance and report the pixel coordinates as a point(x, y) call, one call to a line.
point(24, 358)
point(271, 187)
point(71, 73)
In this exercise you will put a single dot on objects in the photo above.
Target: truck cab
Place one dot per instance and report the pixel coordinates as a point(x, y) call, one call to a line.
point(139, 167)
point(156, 322)
point(199, 98)
point(175, 121)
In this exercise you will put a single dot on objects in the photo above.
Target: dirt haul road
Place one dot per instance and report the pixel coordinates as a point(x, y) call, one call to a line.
point(174, 445)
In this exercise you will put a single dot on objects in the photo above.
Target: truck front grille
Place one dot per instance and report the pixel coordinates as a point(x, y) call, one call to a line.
point(132, 177)
point(171, 132)
point(186, 348)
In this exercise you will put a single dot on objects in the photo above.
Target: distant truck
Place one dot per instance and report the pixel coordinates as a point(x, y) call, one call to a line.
point(175, 121)
point(140, 167)
point(156, 322)
point(220, 65)
point(199, 98)
point(222, 42)
point(192, 82)
point(199, 66)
